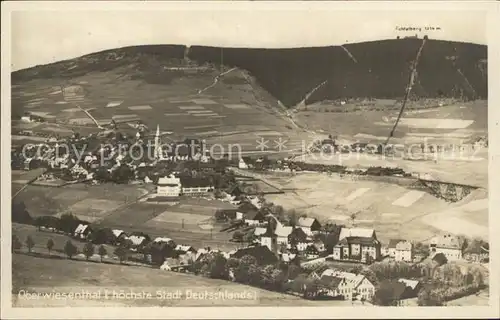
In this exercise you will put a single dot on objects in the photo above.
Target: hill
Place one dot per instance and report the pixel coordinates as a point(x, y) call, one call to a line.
point(376, 69)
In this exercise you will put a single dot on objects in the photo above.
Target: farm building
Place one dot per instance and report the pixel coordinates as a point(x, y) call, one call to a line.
point(309, 225)
point(82, 231)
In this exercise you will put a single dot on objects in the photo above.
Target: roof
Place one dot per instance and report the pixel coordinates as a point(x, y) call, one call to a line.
point(261, 253)
point(259, 231)
point(331, 282)
point(173, 181)
point(448, 241)
point(409, 283)
point(162, 239)
point(246, 207)
point(358, 240)
point(404, 246)
point(356, 232)
point(394, 242)
point(283, 231)
point(81, 228)
point(306, 222)
point(117, 232)
point(190, 182)
point(136, 240)
point(299, 234)
point(185, 248)
point(254, 215)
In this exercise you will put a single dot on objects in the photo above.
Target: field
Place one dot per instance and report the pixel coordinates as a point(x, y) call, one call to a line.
point(223, 115)
point(188, 222)
point(87, 202)
point(393, 210)
point(68, 276)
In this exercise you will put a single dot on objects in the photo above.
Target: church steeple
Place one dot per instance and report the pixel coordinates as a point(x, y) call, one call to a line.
point(158, 153)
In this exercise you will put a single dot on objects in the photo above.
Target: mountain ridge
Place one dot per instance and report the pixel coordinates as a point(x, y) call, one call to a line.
point(373, 69)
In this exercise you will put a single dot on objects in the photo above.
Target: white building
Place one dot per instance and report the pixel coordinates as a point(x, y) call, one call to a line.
point(449, 245)
point(169, 187)
point(355, 286)
point(404, 251)
point(242, 164)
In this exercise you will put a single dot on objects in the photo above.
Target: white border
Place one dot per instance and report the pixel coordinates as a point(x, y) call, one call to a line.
point(258, 312)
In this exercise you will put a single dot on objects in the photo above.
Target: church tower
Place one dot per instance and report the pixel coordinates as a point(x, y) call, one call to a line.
point(158, 151)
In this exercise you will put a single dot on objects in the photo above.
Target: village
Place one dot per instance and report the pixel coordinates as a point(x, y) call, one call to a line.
point(276, 249)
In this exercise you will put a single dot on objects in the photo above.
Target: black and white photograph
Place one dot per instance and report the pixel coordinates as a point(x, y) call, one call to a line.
point(198, 156)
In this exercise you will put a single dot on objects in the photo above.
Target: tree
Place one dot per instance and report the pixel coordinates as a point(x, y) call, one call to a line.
point(244, 272)
point(293, 271)
point(16, 244)
point(102, 251)
point(88, 250)
point(428, 298)
point(370, 275)
point(217, 266)
point(50, 245)
point(30, 243)
point(122, 253)
point(70, 249)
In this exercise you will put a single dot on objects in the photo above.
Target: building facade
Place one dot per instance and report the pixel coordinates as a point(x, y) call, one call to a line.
point(169, 187)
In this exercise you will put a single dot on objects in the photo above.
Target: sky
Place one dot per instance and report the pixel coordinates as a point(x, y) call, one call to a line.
point(49, 34)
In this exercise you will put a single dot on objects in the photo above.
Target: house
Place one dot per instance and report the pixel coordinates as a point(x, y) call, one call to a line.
point(332, 286)
point(269, 240)
point(362, 249)
point(311, 252)
point(136, 241)
point(404, 251)
point(182, 249)
point(358, 244)
point(449, 245)
point(228, 214)
point(169, 187)
point(259, 231)
point(309, 225)
point(120, 235)
point(356, 286)
point(82, 231)
point(283, 234)
point(253, 217)
point(298, 239)
point(288, 257)
point(194, 186)
point(412, 288)
point(262, 254)
point(390, 250)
